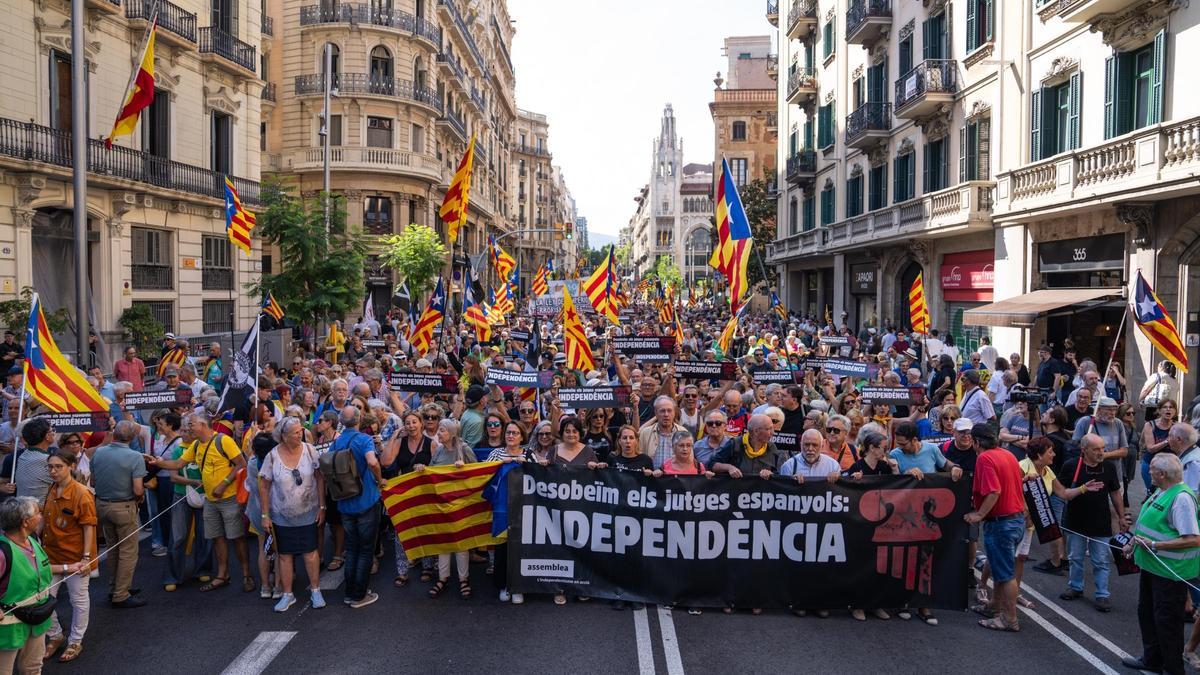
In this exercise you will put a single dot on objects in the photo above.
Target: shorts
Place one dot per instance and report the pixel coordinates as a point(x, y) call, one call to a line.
point(223, 519)
point(1000, 540)
point(1026, 542)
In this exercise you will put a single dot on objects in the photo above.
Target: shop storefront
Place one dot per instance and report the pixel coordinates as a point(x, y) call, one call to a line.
point(966, 281)
point(864, 285)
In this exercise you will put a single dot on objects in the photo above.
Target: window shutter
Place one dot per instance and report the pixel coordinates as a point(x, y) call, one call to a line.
point(983, 149)
point(896, 169)
point(925, 156)
point(989, 16)
point(1073, 111)
point(1156, 85)
point(925, 38)
point(962, 153)
point(1123, 105)
point(972, 41)
point(910, 181)
point(1110, 96)
point(873, 188)
point(944, 177)
point(1035, 126)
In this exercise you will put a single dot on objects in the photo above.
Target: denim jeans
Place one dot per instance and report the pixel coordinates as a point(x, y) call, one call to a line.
point(1077, 547)
point(191, 552)
point(360, 549)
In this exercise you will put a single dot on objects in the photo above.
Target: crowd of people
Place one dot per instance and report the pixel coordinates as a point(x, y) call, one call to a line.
point(250, 480)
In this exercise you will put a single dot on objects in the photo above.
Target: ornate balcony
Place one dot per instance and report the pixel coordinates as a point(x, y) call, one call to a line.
point(370, 16)
point(268, 25)
point(867, 21)
point(801, 19)
point(268, 93)
point(232, 51)
point(358, 84)
point(868, 125)
point(454, 124)
point(448, 8)
point(357, 158)
point(802, 167)
point(802, 85)
point(179, 26)
point(773, 66)
point(1083, 11)
point(773, 12)
point(924, 89)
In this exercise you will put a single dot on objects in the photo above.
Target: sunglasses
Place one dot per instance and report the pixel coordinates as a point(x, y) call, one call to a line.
point(432, 418)
point(296, 475)
point(713, 423)
point(835, 430)
point(512, 432)
point(527, 410)
point(545, 433)
point(493, 425)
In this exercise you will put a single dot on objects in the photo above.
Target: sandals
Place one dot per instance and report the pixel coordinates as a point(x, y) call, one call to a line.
point(560, 599)
point(336, 564)
point(426, 576)
point(217, 582)
point(248, 584)
point(984, 610)
point(438, 588)
point(1001, 624)
point(1025, 602)
point(464, 589)
point(400, 581)
point(71, 653)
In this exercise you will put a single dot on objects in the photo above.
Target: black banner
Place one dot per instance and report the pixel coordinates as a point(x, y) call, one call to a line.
point(842, 367)
point(892, 395)
point(789, 443)
point(886, 541)
point(520, 378)
point(322, 448)
point(594, 397)
point(373, 344)
point(1037, 502)
point(720, 370)
point(645, 345)
point(436, 383)
point(522, 335)
point(768, 376)
point(82, 421)
point(149, 400)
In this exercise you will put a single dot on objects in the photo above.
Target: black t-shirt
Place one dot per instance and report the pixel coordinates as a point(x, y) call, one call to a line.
point(882, 468)
point(636, 463)
point(963, 458)
point(9, 354)
point(1062, 443)
point(793, 421)
point(645, 412)
point(1089, 513)
point(600, 443)
point(1073, 415)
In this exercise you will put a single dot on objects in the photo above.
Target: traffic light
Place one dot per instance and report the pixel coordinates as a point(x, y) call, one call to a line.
point(558, 232)
point(569, 230)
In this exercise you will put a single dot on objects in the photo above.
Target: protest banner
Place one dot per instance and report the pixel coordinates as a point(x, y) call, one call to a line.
point(437, 383)
point(788, 443)
point(521, 335)
point(842, 367)
point(642, 346)
point(77, 421)
point(593, 397)
point(707, 370)
point(373, 344)
point(769, 376)
point(1037, 501)
point(892, 395)
point(520, 378)
point(150, 400)
point(883, 541)
point(834, 340)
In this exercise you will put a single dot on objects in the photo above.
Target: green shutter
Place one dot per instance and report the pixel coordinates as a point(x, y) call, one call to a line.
point(1035, 126)
point(989, 16)
point(1073, 111)
point(926, 156)
point(983, 149)
point(1110, 96)
point(910, 182)
point(925, 38)
point(896, 169)
point(1123, 107)
point(1156, 86)
point(962, 153)
point(972, 41)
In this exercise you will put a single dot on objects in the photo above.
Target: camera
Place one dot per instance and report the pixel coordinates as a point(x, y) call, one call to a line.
point(1030, 395)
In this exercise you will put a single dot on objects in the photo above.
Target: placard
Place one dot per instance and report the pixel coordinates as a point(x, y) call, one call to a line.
point(520, 378)
point(842, 367)
point(720, 370)
point(522, 335)
point(834, 340)
point(768, 376)
point(373, 344)
point(78, 422)
point(150, 400)
point(892, 395)
point(789, 443)
point(594, 397)
point(437, 383)
point(645, 344)
point(1037, 502)
point(322, 448)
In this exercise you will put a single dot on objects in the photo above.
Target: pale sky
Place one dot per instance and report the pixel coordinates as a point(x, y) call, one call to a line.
point(602, 72)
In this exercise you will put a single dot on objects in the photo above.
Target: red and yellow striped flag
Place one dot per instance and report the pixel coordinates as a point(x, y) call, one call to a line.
point(575, 342)
point(49, 376)
point(177, 356)
point(541, 283)
point(458, 196)
point(441, 509)
point(918, 311)
point(601, 287)
point(140, 93)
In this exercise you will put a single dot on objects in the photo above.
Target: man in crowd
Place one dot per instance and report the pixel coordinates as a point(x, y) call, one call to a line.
point(104, 387)
point(811, 462)
point(130, 369)
point(10, 351)
point(999, 504)
point(714, 440)
point(836, 443)
point(975, 404)
point(753, 453)
point(1108, 427)
point(360, 515)
point(472, 417)
point(791, 402)
point(654, 436)
point(32, 468)
point(117, 474)
point(1081, 408)
point(1090, 519)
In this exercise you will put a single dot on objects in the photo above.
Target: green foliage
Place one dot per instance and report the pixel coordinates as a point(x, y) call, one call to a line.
point(591, 258)
point(15, 314)
point(320, 275)
point(141, 328)
point(760, 211)
point(623, 253)
point(668, 273)
point(417, 254)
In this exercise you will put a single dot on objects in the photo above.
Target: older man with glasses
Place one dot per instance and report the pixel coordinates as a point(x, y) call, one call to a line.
point(655, 435)
point(837, 443)
point(714, 440)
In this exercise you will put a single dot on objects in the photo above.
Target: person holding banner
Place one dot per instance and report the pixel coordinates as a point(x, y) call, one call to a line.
point(713, 440)
point(628, 456)
point(683, 461)
point(654, 437)
point(450, 450)
point(513, 450)
point(811, 462)
point(753, 453)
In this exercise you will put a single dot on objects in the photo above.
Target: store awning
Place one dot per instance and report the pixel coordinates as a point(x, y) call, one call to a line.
point(1023, 310)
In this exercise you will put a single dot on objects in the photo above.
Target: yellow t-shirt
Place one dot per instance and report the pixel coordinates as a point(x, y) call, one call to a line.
point(213, 467)
point(1031, 472)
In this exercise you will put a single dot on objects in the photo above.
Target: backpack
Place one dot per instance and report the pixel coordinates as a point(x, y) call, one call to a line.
point(239, 475)
point(341, 472)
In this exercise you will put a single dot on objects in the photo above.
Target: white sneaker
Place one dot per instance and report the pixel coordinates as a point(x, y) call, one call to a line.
point(518, 599)
point(504, 595)
point(317, 600)
point(158, 551)
point(285, 602)
point(369, 598)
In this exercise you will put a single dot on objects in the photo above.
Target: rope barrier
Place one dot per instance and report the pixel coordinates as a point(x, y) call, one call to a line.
point(1150, 551)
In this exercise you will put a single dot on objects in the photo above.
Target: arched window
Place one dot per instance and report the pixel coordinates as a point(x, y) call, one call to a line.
point(739, 131)
point(699, 248)
point(335, 62)
point(381, 65)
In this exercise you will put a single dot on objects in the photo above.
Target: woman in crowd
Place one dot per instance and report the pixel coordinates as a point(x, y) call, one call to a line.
point(69, 539)
point(293, 490)
point(1114, 383)
point(571, 451)
point(682, 462)
point(163, 444)
point(259, 443)
point(1159, 387)
point(513, 451)
point(408, 449)
point(22, 645)
point(542, 445)
point(449, 450)
point(872, 461)
point(597, 437)
point(629, 456)
point(493, 436)
point(1154, 435)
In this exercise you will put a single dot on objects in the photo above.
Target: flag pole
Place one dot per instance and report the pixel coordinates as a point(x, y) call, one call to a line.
point(1112, 355)
point(17, 435)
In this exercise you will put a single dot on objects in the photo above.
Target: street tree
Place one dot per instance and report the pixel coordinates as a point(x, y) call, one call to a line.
point(668, 272)
point(320, 276)
point(417, 254)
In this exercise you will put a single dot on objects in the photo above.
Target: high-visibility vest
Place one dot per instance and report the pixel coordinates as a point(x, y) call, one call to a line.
point(1153, 524)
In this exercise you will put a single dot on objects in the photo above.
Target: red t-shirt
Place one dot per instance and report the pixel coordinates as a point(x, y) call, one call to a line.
point(997, 470)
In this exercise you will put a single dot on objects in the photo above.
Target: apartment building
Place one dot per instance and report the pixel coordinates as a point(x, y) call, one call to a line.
point(743, 109)
point(536, 198)
point(895, 162)
point(156, 224)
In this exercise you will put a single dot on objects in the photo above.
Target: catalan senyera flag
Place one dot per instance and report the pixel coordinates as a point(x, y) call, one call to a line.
point(238, 221)
point(601, 288)
point(777, 306)
point(502, 262)
point(503, 302)
point(435, 311)
point(474, 314)
point(140, 93)
point(49, 376)
point(458, 195)
point(272, 308)
point(575, 342)
point(541, 283)
point(732, 255)
point(918, 311)
point(441, 509)
point(176, 356)
point(1151, 317)
point(726, 338)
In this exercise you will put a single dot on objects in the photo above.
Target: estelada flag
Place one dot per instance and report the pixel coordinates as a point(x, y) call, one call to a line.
point(435, 311)
point(731, 257)
point(541, 282)
point(442, 509)
point(238, 221)
point(1151, 317)
point(458, 195)
point(49, 376)
point(139, 94)
point(176, 356)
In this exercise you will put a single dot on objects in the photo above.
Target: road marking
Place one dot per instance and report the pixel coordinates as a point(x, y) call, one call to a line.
point(255, 658)
point(1074, 646)
point(645, 650)
point(330, 581)
point(1083, 627)
point(670, 643)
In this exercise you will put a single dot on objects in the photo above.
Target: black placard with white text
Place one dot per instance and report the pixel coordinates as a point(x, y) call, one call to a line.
point(520, 378)
point(593, 397)
point(150, 400)
point(436, 383)
point(77, 422)
point(1037, 502)
point(706, 370)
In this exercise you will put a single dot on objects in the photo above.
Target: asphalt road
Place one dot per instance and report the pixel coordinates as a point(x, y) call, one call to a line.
point(235, 632)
